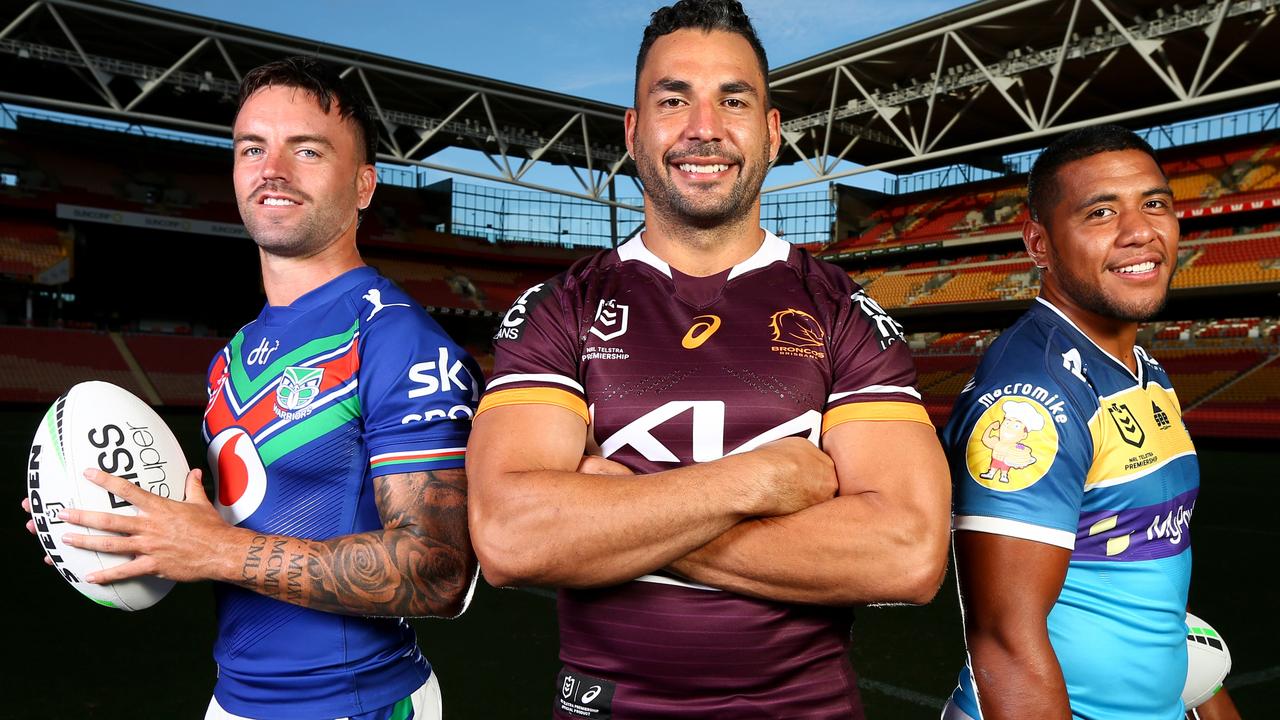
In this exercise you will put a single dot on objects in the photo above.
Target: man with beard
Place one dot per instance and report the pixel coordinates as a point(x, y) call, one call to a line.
point(757, 459)
point(1074, 598)
point(336, 426)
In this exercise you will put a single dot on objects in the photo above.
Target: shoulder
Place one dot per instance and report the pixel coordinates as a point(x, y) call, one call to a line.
point(382, 309)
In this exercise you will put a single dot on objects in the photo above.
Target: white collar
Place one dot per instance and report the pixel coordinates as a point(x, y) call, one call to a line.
point(1085, 335)
point(773, 249)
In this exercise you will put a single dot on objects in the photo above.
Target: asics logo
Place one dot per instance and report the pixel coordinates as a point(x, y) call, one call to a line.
point(591, 694)
point(704, 326)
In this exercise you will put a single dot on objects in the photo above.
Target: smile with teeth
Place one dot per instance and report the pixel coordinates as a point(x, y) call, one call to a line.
point(1141, 267)
point(706, 169)
point(278, 202)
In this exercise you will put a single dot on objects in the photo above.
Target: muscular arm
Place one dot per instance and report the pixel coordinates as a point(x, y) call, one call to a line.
point(1007, 588)
point(884, 539)
point(420, 563)
point(535, 521)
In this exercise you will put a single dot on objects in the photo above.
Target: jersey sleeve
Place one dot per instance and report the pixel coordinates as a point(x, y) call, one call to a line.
point(536, 354)
point(1019, 452)
point(418, 392)
point(873, 377)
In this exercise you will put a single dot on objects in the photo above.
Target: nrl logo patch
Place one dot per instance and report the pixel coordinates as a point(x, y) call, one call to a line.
point(298, 387)
point(1130, 431)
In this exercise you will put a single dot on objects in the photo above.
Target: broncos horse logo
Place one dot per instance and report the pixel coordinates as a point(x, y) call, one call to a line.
point(796, 328)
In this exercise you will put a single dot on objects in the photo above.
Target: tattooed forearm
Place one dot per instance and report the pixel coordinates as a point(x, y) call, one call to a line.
point(420, 563)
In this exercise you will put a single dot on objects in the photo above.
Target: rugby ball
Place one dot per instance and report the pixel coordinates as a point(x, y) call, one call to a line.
point(1208, 662)
point(99, 425)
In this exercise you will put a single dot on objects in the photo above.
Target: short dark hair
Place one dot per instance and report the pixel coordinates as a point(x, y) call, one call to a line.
point(322, 82)
point(704, 15)
point(1042, 184)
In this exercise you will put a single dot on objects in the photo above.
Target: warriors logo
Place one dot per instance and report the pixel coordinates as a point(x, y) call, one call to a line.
point(298, 387)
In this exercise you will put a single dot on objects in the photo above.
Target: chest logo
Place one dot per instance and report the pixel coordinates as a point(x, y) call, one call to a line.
point(1012, 445)
point(704, 326)
point(613, 317)
point(298, 387)
point(238, 475)
point(1162, 418)
point(1130, 431)
point(262, 353)
point(374, 296)
point(796, 333)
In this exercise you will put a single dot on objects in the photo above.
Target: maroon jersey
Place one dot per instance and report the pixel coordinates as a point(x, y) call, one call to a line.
point(671, 370)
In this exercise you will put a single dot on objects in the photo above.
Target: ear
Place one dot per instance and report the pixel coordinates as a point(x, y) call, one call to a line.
point(366, 183)
point(773, 121)
point(1035, 237)
point(629, 120)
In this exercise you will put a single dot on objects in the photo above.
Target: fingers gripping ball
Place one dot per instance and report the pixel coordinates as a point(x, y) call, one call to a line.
point(99, 425)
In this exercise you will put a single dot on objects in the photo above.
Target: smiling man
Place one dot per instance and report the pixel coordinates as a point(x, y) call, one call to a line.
point(757, 457)
point(336, 424)
point(1074, 558)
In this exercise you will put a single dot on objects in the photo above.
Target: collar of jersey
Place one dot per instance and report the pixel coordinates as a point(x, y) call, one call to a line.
point(773, 249)
point(1081, 333)
point(323, 295)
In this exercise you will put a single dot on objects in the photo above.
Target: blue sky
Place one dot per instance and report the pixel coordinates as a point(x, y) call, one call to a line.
point(579, 47)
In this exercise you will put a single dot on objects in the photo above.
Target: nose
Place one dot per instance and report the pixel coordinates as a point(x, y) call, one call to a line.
point(276, 166)
point(705, 122)
point(1136, 228)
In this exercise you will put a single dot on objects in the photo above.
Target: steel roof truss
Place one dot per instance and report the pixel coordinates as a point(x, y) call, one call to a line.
point(101, 78)
point(1001, 83)
point(538, 152)
point(1056, 72)
point(1145, 47)
point(149, 86)
point(22, 17)
point(1084, 85)
point(1270, 17)
point(886, 113)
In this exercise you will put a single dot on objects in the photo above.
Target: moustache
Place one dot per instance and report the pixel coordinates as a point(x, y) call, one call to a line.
point(282, 188)
point(703, 150)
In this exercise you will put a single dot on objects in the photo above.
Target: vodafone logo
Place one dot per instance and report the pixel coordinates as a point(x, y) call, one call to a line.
point(238, 475)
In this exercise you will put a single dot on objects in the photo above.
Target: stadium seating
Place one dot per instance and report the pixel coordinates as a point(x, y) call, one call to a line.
point(1245, 408)
point(177, 366)
point(39, 364)
point(28, 249)
point(1212, 177)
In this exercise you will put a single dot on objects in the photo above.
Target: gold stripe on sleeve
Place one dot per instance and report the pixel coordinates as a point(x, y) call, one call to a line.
point(536, 396)
point(890, 410)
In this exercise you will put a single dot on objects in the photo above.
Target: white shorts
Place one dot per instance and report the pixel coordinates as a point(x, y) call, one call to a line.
point(427, 704)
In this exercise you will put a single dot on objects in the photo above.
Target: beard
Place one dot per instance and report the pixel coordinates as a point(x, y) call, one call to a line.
point(1091, 297)
point(297, 237)
point(703, 209)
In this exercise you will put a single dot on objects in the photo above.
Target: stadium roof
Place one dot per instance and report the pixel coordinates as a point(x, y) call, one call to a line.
point(133, 62)
point(1000, 76)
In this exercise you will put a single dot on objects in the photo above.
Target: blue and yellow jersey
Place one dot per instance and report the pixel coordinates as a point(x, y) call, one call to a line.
point(1056, 441)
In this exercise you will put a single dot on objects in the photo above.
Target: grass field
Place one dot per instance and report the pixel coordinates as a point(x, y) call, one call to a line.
point(70, 658)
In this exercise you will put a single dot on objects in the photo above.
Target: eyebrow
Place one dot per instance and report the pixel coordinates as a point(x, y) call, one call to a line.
point(291, 140)
point(732, 87)
point(1112, 197)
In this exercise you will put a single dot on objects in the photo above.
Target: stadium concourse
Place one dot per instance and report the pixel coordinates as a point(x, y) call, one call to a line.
point(117, 226)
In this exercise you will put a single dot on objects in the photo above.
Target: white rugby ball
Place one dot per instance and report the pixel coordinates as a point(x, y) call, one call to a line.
point(1208, 662)
point(99, 425)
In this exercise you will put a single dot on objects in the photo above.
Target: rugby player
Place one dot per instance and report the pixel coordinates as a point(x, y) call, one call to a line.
point(707, 551)
point(337, 422)
point(1074, 556)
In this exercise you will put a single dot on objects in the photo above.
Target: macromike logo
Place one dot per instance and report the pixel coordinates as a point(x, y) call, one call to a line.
point(704, 326)
point(795, 332)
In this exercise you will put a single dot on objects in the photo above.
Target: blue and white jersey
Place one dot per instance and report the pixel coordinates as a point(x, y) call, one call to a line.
point(307, 405)
point(1056, 441)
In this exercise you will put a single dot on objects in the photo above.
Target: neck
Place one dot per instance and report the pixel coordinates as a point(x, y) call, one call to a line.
point(286, 279)
point(1111, 334)
point(700, 251)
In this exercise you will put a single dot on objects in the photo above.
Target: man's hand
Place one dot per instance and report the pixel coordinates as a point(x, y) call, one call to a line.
point(796, 475)
point(170, 539)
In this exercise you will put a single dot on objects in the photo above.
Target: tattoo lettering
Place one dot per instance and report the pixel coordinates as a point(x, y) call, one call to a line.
point(420, 563)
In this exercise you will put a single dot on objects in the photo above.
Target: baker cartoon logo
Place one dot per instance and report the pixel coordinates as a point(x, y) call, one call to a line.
point(1012, 445)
